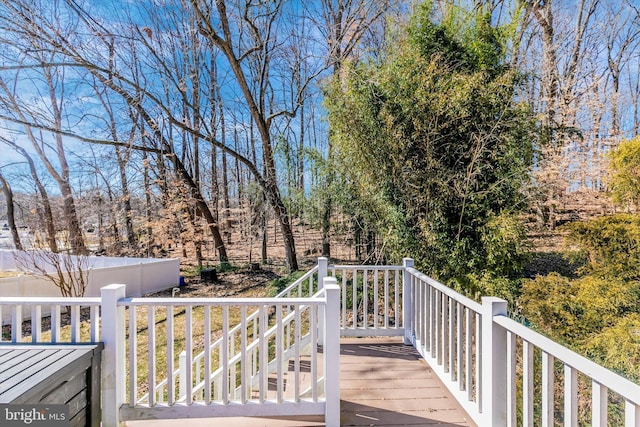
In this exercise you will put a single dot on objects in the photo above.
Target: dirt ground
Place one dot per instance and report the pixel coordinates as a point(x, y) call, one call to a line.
point(248, 277)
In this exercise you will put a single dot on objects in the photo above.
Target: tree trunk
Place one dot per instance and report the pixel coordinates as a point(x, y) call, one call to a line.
point(8, 198)
point(128, 211)
point(147, 200)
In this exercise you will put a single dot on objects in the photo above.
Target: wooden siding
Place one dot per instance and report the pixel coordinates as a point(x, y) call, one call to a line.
point(53, 374)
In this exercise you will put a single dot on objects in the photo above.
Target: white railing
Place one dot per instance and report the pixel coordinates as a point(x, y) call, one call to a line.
point(248, 326)
point(259, 371)
point(482, 355)
point(370, 299)
point(49, 320)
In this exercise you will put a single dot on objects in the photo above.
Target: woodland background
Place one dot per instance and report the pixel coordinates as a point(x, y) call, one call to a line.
point(470, 135)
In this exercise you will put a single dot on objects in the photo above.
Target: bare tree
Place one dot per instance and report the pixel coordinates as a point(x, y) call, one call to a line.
point(69, 273)
point(8, 197)
point(343, 24)
point(46, 211)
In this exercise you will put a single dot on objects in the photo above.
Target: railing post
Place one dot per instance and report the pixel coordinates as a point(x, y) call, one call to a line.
point(492, 399)
point(323, 268)
point(331, 352)
point(407, 302)
point(113, 357)
point(322, 274)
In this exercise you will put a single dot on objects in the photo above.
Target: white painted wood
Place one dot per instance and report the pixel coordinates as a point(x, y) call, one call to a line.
point(182, 367)
point(468, 354)
point(459, 372)
point(527, 383)
point(322, 273)
point(56, 323)
point(323, 265)
point(113, 355)
point(314, 353)
point(386, 300)
point(396, 300)
point(437, 317)
point(133, 357)
point(376, 308)
point(218, 411)
point(207, 350)
point(478, 359)
point(151, 354)
point(512, 391)
point(75, 323)
point(279, 358)
point(611, 380)
point(365, 299)
point(225, 354)
point(332, 354)
point(570, 396)
point(188, 337)
point(262, 372)
point(429, 318)
point(171, 382)
point(244, 388)
point(407, 301)
point(420, 312)
point(94, 319)
point(451, 328)
point(494, 350)
point(16, 324)
point(631, 414)
point(297, 339)
point(354, 298)
point(344, 299)
point(546, 412)
point(598, 404)
point(36, 323)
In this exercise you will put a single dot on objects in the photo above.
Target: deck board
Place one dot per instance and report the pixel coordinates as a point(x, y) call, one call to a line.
point(382, 383)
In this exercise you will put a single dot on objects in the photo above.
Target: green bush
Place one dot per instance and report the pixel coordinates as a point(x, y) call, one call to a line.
point(572, 311)
point(505, 243)
point(624, 178)
point(611, 244)
point(618, 347)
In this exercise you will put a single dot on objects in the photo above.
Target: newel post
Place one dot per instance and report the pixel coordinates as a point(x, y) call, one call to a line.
point(113, 357)
point(322, 274)
point(493, 396)
point(407, 305)
point(331, 352)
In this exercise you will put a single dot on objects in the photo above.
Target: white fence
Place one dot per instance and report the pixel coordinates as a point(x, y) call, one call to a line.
point(502, 373)
point(371, 299)
point(142, 276)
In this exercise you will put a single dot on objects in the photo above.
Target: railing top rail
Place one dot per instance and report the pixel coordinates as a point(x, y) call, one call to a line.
point(293, 285)
point(467, 302)
point(364, 267)
point(86, 301)
point(177, 302)
point(599, 374)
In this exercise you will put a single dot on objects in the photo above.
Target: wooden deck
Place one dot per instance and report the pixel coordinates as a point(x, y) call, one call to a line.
point(382, 383)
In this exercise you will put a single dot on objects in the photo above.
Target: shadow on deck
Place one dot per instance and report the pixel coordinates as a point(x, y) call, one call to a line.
point(382, 383)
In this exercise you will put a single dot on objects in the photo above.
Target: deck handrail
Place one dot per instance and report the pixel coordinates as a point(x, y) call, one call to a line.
point(477, 351)
point(473, 348)
point(198, 358)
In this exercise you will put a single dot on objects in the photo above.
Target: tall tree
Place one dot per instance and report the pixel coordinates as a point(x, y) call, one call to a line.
point(8, 198)
point(436, 147)
point(217, 27)
point(343, 24)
